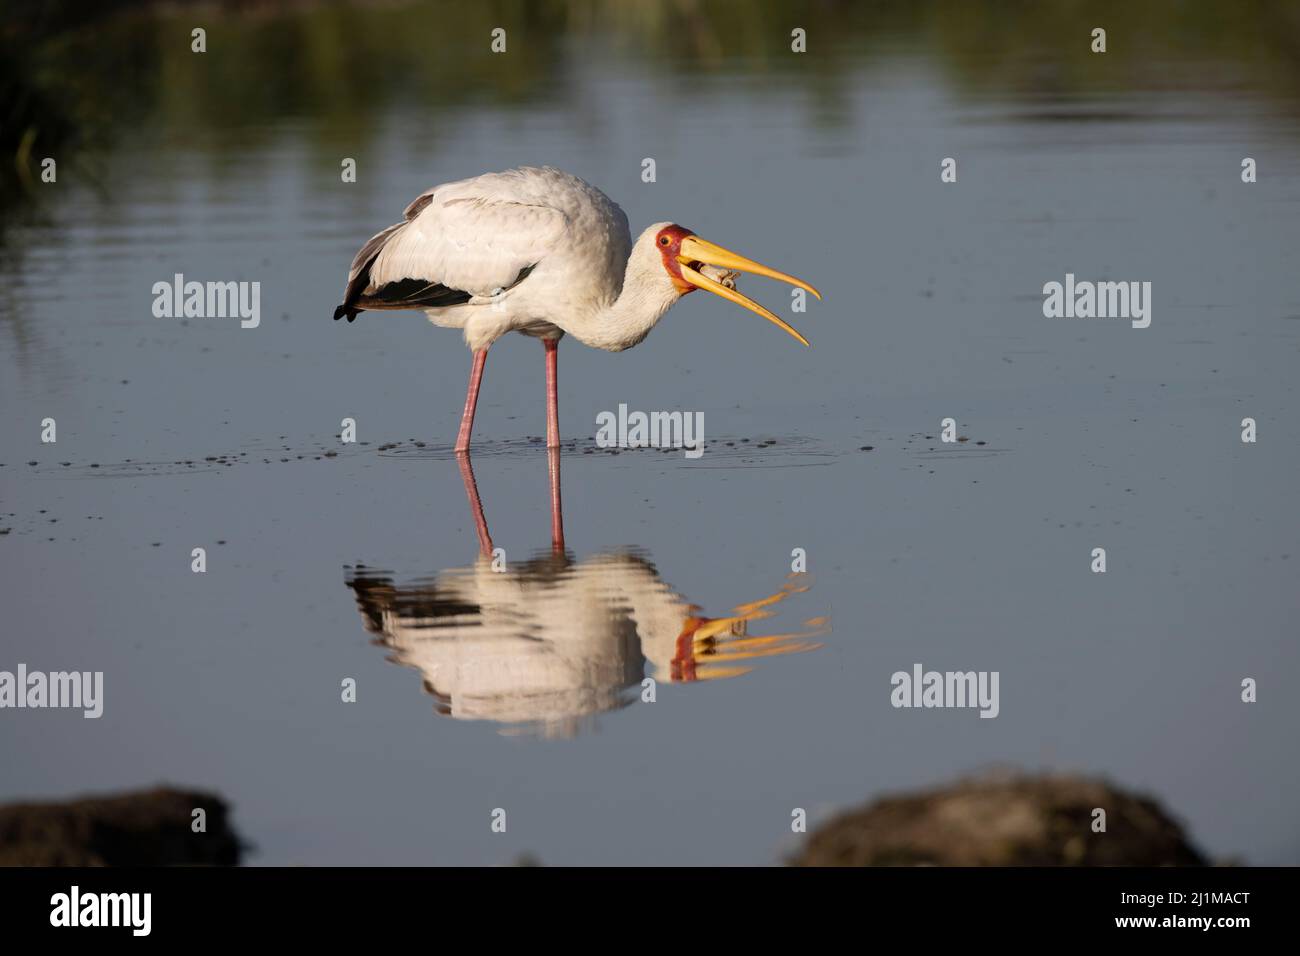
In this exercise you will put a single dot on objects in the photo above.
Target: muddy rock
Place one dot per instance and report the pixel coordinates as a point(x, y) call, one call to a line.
point(142, 828)
point(1004, 819)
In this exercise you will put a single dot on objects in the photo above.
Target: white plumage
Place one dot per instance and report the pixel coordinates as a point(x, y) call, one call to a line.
point(568, 240)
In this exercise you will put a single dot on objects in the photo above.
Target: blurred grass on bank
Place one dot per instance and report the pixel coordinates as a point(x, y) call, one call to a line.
point(77, 76)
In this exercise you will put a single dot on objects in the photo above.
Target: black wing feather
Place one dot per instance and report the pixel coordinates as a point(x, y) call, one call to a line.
point(407, 293)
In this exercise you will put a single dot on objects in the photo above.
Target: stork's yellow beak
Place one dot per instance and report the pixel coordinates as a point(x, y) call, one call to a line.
point(696, 250)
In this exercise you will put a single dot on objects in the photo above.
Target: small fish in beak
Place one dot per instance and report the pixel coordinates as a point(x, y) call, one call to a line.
point(724, 277)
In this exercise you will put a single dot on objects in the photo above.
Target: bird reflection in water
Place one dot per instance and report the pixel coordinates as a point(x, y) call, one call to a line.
point(545, 645)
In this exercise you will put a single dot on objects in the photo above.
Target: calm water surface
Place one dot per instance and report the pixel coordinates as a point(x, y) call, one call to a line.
point(364, 563)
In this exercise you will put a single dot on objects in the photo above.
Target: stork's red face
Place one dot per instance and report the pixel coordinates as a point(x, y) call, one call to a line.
point(669, 243)
point(684, 253)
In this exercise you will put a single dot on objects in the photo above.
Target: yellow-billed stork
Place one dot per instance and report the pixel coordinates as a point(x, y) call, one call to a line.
point(538, 251)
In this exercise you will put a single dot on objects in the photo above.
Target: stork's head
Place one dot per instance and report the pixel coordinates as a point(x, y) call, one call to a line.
point(691, 263)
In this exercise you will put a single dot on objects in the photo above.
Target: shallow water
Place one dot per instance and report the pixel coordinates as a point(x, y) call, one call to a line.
point(175, 434)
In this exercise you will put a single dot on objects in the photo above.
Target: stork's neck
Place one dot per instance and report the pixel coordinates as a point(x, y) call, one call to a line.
point(646, 295)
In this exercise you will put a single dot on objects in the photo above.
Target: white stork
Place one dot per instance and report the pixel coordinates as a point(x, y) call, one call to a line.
point(541, 252)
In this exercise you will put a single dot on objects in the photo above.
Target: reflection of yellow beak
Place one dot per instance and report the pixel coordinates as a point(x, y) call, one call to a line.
point(695, 249)
point(717, 643)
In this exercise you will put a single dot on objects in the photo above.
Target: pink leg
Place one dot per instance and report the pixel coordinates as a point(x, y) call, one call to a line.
point(553, 441)
point(471, 401)
point(552, 393)
point(557, 515)
point(475, 505)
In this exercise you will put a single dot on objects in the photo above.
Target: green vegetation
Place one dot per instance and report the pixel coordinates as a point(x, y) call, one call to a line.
point(71, 81)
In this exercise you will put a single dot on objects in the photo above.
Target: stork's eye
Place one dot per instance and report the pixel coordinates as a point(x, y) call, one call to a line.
point(663, 240)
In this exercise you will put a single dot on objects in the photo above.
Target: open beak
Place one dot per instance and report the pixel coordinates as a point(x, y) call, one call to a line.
point(694, 250)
